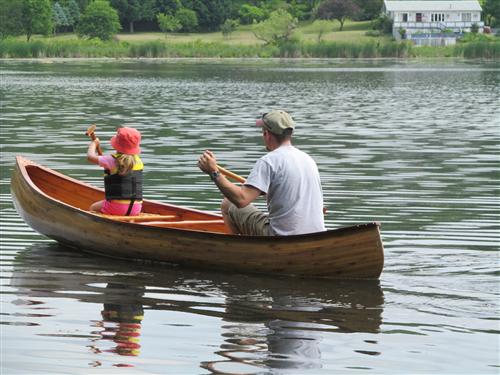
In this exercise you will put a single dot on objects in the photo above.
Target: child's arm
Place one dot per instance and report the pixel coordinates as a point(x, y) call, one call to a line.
point(92, 155)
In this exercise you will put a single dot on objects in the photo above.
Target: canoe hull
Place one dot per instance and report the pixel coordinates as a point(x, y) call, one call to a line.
point(353, 252)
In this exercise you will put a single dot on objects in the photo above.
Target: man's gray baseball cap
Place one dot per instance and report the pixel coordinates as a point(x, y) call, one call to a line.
point(276, 121)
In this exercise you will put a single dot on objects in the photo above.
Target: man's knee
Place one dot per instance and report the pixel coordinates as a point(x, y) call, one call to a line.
point(224, 207)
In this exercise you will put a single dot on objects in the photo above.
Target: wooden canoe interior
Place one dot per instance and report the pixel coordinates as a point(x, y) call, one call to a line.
point(81, 196)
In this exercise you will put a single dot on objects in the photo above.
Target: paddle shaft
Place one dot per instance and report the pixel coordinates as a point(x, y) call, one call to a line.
point(230, 174)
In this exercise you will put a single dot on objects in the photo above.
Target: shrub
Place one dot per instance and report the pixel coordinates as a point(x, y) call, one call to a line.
point(383, 23)
point(100, 20)
point(375, 33)
point(278, 28)
point(228, 27)
point(166, 22)
point(187, 18)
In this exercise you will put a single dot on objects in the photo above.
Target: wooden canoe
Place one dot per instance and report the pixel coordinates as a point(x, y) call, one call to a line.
point(56, 206)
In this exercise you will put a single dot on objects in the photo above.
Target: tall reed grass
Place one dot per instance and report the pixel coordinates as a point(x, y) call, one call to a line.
point(76, 48)
point(480, 49)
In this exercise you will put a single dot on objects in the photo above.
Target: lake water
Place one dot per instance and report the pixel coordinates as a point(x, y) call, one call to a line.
point(413, 145)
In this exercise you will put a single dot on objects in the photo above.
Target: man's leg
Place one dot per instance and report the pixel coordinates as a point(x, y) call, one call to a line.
point(247, 220)
point(225, 215)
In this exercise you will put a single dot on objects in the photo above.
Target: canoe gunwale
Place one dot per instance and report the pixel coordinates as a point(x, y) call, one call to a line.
point(23, 163)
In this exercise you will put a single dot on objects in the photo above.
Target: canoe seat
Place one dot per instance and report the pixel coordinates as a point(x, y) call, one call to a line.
point(216, 225)
point(142, 217)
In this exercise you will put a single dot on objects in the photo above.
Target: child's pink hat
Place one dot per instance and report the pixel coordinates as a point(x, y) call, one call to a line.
point(126, 141)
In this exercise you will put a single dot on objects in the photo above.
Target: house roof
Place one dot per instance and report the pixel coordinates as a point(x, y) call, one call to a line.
point(458, 5)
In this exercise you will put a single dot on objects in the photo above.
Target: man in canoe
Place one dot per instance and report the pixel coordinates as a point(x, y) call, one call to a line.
point(287, 176)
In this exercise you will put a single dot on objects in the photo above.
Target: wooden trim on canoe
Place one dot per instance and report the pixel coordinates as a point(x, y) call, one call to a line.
point(139, 218)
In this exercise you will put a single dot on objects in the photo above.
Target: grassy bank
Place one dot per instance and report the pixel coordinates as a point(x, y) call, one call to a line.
point(352, 42)
point(74, 48)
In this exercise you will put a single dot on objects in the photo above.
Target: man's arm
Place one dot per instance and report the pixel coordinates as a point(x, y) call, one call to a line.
point(240, 196)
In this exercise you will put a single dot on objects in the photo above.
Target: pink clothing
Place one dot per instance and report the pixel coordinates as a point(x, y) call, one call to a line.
point(120, 209)
point(113, 207)
point(107, 162)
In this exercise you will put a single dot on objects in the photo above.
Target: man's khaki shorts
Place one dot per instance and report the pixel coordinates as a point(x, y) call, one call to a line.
point(250, 221)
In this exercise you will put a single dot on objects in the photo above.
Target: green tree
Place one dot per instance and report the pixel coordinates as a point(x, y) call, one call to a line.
point(11, 18)
point(369, 9)
point(99, 20)
point(210, 13)
point(277, 29)
point(83, 4)
point(131, 11)
point(187, 18)
point(250, 14)
point(59, 17)
point(167, 23)
point(73, 12)
point(37, 17)
point(168, 6)
point(299, 10)
point(491, 11)
point(339, 10)
point(321, 27)
point(228, 27)
point(383, 23)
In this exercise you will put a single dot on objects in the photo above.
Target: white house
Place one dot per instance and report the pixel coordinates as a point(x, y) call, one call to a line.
point(427, 20)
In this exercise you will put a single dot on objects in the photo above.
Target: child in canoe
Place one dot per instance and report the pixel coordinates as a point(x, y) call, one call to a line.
point(122, 174)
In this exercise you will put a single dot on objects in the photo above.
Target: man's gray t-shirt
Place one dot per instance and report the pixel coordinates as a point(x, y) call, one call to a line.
point(290, 178)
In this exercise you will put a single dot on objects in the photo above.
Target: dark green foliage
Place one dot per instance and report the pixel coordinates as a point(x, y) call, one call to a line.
point(369, 9)
point(59, 16)
point(187, 18)
point(168, 6)
point(37, 17)
point(491, 11)
point(73, 12)
point(383, 23)
point(11, 18)
point(339, 10)
point(211, 13)
point(131, 11)
point(99, 20)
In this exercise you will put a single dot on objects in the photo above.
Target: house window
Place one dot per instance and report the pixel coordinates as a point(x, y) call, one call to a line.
point(466, 17)
point(405, 17)
point(437, 17)
point(418, 17)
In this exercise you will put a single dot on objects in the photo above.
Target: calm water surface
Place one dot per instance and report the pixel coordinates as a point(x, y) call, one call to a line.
point(413, 145)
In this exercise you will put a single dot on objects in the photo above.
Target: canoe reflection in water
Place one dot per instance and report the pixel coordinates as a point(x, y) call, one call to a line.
point(267, 323)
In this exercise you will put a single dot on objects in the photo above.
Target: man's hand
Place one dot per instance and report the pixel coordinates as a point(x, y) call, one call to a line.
point(207, 162)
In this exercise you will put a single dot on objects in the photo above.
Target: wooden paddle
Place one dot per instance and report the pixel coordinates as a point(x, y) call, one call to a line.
point(230, 174)
point(91, 133)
